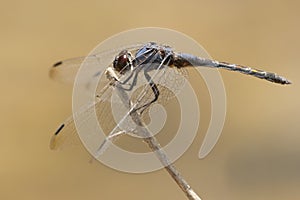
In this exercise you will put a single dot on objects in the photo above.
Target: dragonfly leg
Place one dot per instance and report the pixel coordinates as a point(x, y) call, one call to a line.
point(133, 83)
point(154, 90)
point(153, 86)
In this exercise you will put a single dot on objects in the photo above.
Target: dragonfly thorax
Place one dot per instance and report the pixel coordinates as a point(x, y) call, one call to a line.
point(123, 62)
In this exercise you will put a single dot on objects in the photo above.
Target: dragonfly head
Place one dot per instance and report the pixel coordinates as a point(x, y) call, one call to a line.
point(123, 62)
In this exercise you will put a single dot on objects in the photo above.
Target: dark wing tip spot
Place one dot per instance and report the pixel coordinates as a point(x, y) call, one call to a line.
point(57, 64)
point(59, 129)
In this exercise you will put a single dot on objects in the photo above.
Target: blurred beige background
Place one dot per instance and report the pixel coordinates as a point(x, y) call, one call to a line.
point(257, 156)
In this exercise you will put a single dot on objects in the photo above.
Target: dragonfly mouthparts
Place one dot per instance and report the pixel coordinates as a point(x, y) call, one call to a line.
point(111, 74)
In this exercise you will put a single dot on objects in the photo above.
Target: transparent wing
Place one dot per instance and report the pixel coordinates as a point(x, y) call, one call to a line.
point(168, 79)
point(66, 134)
point(169, 82)
point(66, 70)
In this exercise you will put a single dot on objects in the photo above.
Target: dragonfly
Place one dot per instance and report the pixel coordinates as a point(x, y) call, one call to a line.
point(157, 64)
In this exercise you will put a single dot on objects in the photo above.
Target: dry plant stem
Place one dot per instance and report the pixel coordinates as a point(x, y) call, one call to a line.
point(156, 148)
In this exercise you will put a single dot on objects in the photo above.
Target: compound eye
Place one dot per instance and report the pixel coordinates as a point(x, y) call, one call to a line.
point(122, 62)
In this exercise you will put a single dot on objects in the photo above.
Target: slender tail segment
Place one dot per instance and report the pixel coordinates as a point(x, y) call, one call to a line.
point(184, 59)
point(269, 76)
